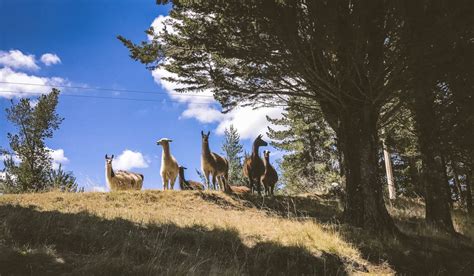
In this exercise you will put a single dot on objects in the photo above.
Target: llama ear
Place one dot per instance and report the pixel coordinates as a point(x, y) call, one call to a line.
point(184, 168)
point(202, 133)
point(106, 157)
point(112, 157)
point(208, 133)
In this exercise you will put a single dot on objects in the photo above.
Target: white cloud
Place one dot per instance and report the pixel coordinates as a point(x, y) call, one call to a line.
point(201, 105)
point(16, 158)
point(16, 59)
point(129, 160)
point(58, 157)
point(50, 59)
point(159, 25)
point(12, 84)
point(250, 122)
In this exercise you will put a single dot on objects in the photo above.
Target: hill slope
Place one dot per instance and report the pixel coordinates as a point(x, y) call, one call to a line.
point(177, 232)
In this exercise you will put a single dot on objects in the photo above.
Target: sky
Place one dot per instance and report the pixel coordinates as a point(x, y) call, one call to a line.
point(111, 103)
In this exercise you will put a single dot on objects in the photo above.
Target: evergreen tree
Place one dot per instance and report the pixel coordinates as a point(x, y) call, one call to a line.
point(62, 180)
point(233, 151)
point(340, 55)
point(350, 60)
point(311, 162)
point(35, 124)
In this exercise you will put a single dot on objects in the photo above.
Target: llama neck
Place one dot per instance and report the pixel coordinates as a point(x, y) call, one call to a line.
point(266, 161)
point(255, 150)
point(206, 151)
point(109, 172)
point(166, 151)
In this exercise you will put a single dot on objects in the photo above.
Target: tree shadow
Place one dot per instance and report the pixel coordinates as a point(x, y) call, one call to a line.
point(415, 252)
point(323, 209)
point(49, 242)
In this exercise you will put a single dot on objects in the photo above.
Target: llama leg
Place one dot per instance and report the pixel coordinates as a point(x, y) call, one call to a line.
point(208, 183)
point(214, 182)
point(252, 187)
point(165, 182)
point(259, 187)
point(173, 180)
point(224, 182)
point(223, 185)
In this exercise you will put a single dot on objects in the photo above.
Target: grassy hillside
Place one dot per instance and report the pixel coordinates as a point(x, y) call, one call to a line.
point(175, 232)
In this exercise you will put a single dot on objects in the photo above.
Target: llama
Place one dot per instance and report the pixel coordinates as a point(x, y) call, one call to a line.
point(121, 180)
point(270, 176)
point(236, 189)
point(188, 184)
point(169, 165)
point(254, 167)
point(213, 164)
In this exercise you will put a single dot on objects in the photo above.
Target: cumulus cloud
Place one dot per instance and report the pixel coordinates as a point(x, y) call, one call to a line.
point(18, 84)
point(50, 59)
point(17, 60)
point(15, 158)
point(201, 106)
point(129, 160)
point(56, 154)
point(58, 157)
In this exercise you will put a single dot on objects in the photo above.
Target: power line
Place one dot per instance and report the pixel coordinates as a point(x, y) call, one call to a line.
point(106, 89)
point(104, 97)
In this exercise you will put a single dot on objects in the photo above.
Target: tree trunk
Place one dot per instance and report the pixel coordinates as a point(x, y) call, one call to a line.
point(364, 204)
point(392, 193)
point(437, 208)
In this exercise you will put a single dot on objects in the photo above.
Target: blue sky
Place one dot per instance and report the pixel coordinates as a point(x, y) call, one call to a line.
point(80, 40)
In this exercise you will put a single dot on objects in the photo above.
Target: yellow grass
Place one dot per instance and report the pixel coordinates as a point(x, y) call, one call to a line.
point(176, 232)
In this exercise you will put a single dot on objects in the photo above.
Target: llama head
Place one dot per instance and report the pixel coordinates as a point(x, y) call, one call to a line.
point(181, 168)
point(163, 141)
point(108, 160)
point(260, 142)
point(266, 154)
point(205, 137)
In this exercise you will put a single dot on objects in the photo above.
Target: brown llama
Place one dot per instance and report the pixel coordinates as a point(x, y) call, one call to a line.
point(213, 164)
point(254, 167)
point(188, 184)
point(270, 177)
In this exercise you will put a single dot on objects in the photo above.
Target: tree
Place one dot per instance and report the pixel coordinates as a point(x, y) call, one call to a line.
point(312, 161)
point(35, 123)
point(340, 54)
point(433, 31)
point(63, 181)
point(233, 151)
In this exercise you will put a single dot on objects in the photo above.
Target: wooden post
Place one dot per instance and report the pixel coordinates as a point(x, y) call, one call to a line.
point(392, 194)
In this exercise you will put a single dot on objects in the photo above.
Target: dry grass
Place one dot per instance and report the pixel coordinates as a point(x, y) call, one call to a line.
point(173, 232)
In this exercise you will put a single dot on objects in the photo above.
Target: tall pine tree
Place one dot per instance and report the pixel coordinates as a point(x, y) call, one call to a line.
point(33, 172)
point(233, 150)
